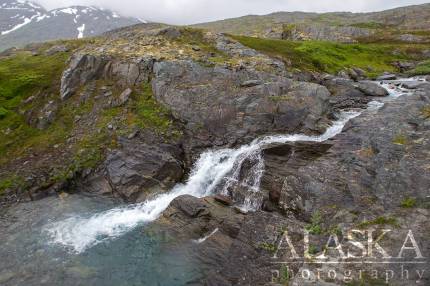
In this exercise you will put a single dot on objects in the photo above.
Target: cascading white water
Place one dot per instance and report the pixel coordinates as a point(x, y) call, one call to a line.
point(213, 168)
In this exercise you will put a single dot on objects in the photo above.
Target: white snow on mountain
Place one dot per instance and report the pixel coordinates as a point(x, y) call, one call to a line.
point(15, 14)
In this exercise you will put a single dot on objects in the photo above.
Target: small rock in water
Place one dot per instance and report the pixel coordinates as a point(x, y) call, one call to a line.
point(223, 200)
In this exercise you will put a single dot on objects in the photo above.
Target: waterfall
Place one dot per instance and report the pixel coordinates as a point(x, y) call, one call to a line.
point(214, 172)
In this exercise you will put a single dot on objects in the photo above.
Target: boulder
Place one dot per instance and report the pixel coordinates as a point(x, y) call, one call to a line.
point(370, 88)
point(340, 87)
point(138, 170)
point(415, 84)
point(386, 77)
point(190, 206)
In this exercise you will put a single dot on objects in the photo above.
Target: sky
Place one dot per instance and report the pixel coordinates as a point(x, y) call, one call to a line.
point(197, 11)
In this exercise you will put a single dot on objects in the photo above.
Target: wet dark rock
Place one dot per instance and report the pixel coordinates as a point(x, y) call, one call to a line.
point(190, 206)
point(138, 170)
point(224, 200)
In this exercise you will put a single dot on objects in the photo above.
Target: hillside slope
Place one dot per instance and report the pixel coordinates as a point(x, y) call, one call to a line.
point(410, 23)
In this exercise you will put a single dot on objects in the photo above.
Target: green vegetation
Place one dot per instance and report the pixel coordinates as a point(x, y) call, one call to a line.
point(22, 76)
point(330, 57)
point(400, 139)
point(409, 203)
point(422, 69)
point(369, 25)
point(11, 182)
point(270, 247)
point(149, 112)
point(284, 275)
point(380, 221)
point(315, 226)
point(426, 111)
point(312, 250)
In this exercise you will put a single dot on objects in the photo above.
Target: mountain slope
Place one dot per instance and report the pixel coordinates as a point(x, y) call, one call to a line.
point(413, 21)
point(23, 22)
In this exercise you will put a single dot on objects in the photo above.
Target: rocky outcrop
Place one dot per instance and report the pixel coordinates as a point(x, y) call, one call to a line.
point(364, 174)
point(227, 245)
point(84, 68)
point(221, 107)
point(321, 32)
point(138, 170)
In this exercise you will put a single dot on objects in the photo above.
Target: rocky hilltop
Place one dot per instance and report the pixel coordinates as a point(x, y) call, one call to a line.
point(129, 114)
point(409, 24)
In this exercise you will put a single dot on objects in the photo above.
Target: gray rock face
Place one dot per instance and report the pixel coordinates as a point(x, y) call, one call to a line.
point(346, 34)
point(218, 109)
point(35, 24)
point(137, 170)
point(85, 68)
point(364, 173)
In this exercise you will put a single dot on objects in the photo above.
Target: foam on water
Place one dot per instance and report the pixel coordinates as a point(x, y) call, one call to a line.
point(212, 169)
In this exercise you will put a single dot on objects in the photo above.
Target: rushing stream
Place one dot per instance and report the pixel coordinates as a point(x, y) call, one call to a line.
point(82, 240)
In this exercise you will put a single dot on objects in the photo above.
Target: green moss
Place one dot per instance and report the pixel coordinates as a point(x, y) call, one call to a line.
point(408, 203)
point(422, 69)
point(425, 111)
point(284, 275)
point(400, 139)
point(270, 247)
point(380, 221)
point(312, 250)
point(315, 226)
point(150, 114)
point(332, 57)
point(22, 76)
point(10, 182)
